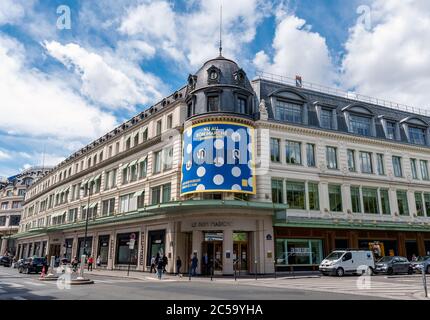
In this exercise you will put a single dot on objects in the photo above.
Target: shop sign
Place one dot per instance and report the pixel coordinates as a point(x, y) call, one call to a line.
point(300, 251)
point(269, 237)
point(211, 224)
point(142, 245)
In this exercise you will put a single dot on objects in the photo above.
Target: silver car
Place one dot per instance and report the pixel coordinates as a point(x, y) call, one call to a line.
point(422, 263)
point(393, 265)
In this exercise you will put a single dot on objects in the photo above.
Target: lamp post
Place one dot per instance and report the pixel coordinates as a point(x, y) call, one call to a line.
point(86, 223)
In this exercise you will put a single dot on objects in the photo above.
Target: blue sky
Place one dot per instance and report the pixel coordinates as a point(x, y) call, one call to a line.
point(62, 88)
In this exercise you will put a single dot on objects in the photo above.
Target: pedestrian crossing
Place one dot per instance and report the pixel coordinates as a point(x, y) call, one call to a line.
point(369, 286)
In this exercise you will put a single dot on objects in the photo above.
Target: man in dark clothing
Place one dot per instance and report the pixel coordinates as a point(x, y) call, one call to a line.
point(165, 261)
point(178, 265)
point(194, 263)
point(160, 268)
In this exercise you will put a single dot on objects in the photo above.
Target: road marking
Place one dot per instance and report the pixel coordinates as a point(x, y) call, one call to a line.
point(35, 284)
point(13, 285)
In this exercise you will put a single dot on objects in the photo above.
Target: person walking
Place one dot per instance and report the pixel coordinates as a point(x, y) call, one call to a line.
point(178, 266)
point(165, 261)
point(99, 261)
point(152, 265)
point(160, 266)
point(194, 263)
point(90, 263)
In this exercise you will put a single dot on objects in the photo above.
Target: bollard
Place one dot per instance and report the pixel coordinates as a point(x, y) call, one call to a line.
point(274, 267)
point(235, 267)
point(255, 269)
point(424, 281)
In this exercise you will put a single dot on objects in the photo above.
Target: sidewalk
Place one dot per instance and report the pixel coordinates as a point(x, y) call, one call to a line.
point(141, 275)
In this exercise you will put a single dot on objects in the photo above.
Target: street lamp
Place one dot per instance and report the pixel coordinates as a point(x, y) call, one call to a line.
point(87, 217)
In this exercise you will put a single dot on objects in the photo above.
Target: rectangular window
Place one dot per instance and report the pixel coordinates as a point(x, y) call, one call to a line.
point(380, 164)
point(136, 140)
point(296, 195)
point(166, 193)
point(293, 152)
point(397, 166)
point(331, 155)
point(313, 194)
point(370, 200)
point(298, 252)
point(366, 162)
point(128, 143)
point(277, 191)
point(133, 172)
point(167, 158)
point(335, 197)
point(143, 167)
point(417, 135)
point(145, 134)
point(351, 161)
point(427, 203)
point(127, 203)
point(402, 202)
point(310, 154)
point(385, 201)
point(169, 121)
point(190, 111)
point(391, 130)
point(424, 169)
point(157, 161)
point(360, 125)
point(419, 204)
point(158, 128)
point(213, 103)
point(326, 118)
point(156, 195)
point(125, 175)
point(355, 199)
point(414, 170)
point(73, 215)
point(241, 104)
point(275, 150)
point(108, 207)
point(288, 112)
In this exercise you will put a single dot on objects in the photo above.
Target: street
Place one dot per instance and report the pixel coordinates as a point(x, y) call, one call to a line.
point(16, 286)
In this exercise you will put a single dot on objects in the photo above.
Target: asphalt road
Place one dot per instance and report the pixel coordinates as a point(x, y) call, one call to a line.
point(16, 286)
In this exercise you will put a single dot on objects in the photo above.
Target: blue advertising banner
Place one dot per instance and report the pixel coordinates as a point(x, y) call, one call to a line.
point(218, 156)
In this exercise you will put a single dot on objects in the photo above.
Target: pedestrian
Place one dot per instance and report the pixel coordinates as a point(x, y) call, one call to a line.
point(99, 261)
point(414, 258)
point(75, 264)
point(152, 264)
point(178, 266)
point(194, 263)
point(206, 263)
point(165, 261)
point(160, 266)
point(90, 263)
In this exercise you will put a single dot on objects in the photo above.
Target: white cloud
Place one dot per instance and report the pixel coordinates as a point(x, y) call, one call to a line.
point(392, 60)
point(4, 155)
point(297, 51)
point(36, 104)
point(11, 11)
point(103, 83)
point(192, 37)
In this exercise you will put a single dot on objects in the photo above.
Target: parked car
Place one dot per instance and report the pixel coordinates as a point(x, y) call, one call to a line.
point(393, 265)
point(5, 261)
point(34, 264)
point(341, 262)
point(421, 263)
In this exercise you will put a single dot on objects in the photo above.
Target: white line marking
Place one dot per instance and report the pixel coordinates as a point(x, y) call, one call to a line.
point(19, 298)
point(35, 284)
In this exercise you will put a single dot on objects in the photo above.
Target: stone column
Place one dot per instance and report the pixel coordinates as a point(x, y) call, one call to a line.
point(197, 247)
point(3, 246)
point(227, 246)
point(111, 253)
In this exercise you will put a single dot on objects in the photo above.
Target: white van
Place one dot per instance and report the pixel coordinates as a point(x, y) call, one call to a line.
point(341, 262)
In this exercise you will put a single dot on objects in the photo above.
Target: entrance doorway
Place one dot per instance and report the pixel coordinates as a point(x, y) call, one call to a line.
point(54, 250)
point(212, 246)
point(240, 251)
point(411, 248)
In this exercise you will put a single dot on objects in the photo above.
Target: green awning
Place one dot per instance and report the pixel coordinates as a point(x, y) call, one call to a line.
point(143, 159)
point(97, 177)
point(92, 205)
point(84, 181)
point(138, 193)
point(124, 166)
point(132, 163)
point(91, 180)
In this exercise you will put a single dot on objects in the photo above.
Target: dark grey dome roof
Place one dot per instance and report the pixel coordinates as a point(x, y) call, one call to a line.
point(228, 70)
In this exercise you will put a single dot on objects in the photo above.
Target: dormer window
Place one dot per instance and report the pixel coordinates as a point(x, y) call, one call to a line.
point(214, 75)
point(242, 106)
point(239, 76)
point(192, 80)
point(391, 130)
point(417, 135)
point(290, 112)
point(360, 125)
point(326, 119)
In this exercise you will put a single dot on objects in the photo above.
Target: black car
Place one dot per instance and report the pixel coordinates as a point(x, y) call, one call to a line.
point(5, 261)
point(32, 265)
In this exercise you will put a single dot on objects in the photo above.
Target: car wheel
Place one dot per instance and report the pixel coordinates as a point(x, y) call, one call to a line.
point(340, 272)
point(410, 271)
point(371, 271)
point(390, 271)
